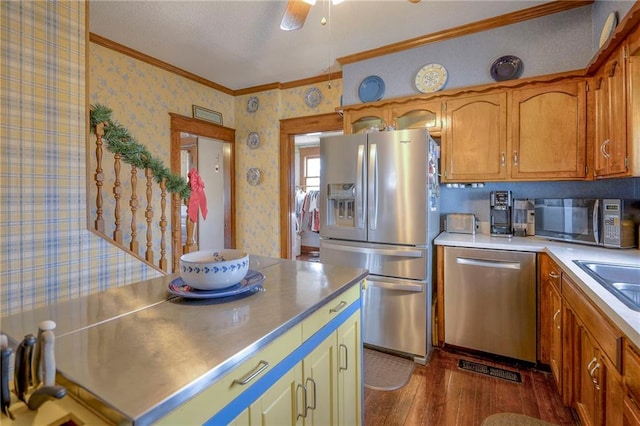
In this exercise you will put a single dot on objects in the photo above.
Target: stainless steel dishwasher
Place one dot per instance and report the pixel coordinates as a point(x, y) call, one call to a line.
point(490, 301)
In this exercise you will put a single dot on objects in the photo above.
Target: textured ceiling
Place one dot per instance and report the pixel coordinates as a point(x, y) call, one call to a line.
point(238, 44)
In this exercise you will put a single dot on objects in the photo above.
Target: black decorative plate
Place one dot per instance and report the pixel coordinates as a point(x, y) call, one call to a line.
point(507, 68)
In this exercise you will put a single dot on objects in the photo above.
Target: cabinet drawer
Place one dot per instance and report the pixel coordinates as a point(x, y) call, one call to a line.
point(211, 400)
point(609, 338)
point(322, 316)
point(632, 370)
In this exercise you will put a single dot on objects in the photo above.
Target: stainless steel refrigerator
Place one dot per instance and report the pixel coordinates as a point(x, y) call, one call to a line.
point(379, 210)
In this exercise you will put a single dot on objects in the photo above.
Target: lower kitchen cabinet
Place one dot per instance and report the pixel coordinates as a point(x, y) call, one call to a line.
point(311, 375)
point(283, 403)
point(595, 359)
point(550, 314)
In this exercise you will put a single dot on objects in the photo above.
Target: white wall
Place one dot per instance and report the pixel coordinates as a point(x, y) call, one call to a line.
point(211, 169)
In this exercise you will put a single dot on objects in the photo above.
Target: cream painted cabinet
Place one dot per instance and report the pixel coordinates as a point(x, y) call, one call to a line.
point(474, 138)
point(320, 377)
point(350, 372)
point(305, 376)
point(548, 127)
point(283, 403)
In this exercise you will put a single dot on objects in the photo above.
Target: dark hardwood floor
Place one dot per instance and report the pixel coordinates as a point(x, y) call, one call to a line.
point(440, 393)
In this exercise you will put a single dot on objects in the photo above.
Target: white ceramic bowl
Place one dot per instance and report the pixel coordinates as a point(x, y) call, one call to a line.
point(214, 269)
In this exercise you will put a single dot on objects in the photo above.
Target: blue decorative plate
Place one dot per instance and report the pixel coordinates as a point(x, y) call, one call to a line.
point(252, 280)
point(371, 89)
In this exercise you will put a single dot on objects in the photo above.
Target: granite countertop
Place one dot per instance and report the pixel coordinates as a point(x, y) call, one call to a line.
point(626, 319)
point(142, 352)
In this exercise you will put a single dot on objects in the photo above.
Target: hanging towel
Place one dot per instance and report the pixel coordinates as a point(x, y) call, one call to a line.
point(198, 199)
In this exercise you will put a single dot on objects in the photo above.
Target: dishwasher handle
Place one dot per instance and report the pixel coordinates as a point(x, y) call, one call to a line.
point(396, 284)
point(500, 264)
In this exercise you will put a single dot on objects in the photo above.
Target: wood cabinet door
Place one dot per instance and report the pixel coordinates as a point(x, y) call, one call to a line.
point(589, 396)
point(362, 120)
point(350, 372)
point(474, 139)
point(610, 142)
point(548, 131)
point(427, 115)
point(555, 356)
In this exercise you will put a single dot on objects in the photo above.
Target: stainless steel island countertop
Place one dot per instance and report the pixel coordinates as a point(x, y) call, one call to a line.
point(140, 352)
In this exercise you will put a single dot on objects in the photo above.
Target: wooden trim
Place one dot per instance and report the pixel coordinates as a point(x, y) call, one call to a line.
point(117, 47)
point(180, 123)
point(324, 78)
point(288, 129)
point(474, 27)
point(630, 21)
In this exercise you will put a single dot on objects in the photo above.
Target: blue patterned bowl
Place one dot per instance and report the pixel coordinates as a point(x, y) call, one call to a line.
point(214, 269)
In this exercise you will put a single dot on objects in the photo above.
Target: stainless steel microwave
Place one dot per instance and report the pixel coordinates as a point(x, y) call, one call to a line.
point(604, 222)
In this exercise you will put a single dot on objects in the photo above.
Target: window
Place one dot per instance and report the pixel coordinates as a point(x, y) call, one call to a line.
point(310, 168)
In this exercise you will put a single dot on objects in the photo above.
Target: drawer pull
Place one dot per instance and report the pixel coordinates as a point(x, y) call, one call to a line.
point(313, 382)
point(554, 275)
point(304, 401)
point(262, 365)
point(592, 373)
point(346, 357)
point(338, 308)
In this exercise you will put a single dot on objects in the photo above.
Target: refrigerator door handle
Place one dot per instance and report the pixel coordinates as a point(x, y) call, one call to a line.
point(395, 284)
point(360, 170)
point(373, 186)
point(385, 252)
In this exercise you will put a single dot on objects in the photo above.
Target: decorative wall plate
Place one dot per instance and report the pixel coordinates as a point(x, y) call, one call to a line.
point(371, 89)
point(431, 78)
point(312, 97)
point(607, 29)
point(253, 176)
point(252, 104)
point(506, 68)
point(253, 140)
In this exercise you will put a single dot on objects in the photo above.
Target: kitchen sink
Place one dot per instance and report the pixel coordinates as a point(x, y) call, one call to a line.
point(623, 281)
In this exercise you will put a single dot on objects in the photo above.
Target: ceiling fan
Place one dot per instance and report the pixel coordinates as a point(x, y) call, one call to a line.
point(297, 10)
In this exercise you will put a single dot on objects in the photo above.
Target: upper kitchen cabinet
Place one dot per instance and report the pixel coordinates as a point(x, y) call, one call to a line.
point(610, 124)
point(367, 119)
point(548, 131)
point(474, 138)
point(425, 115)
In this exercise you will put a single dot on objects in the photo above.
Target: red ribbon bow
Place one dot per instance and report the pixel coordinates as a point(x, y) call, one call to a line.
point(198, 199)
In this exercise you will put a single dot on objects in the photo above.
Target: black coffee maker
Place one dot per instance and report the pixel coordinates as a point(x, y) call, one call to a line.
point(500, 213)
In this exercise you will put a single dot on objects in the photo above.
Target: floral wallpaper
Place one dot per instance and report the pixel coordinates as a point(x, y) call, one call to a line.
point(258, 206)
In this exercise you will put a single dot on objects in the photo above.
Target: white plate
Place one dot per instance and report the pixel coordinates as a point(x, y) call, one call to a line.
point(253, 176)
point(312, 97)
point(253, 140)
point(431, 78)
point(607, 29)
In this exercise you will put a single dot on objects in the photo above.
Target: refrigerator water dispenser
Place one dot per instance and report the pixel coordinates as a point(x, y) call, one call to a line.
point(341, 205)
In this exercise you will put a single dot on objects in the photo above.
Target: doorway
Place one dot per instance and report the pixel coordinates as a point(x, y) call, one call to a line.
point(214, 140)
point(289, 129)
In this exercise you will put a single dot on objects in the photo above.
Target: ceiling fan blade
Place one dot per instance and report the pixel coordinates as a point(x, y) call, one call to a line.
point(295, 15)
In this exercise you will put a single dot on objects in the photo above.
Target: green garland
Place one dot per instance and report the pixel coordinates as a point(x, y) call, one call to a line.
point(119, 141)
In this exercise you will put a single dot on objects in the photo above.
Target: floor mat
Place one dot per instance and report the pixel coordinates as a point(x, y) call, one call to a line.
point(384, 371)
point(512, 376)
